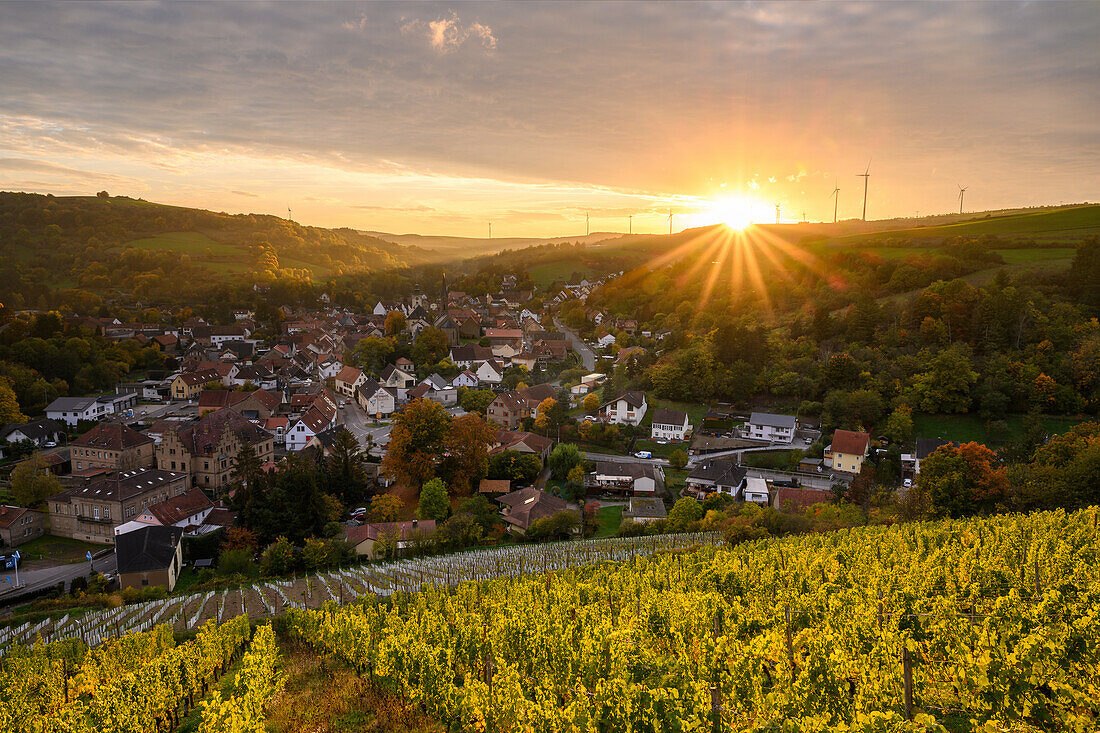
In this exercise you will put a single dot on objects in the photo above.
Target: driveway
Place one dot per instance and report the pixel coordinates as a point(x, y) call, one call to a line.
point(626, 459)
point(587, 355)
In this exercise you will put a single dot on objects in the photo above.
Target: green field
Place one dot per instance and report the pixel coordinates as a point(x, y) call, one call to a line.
point(610, 519)
point(191, 243)
point(966, 428)
point(694, 410)
point(543, 275)
point(1037, 254)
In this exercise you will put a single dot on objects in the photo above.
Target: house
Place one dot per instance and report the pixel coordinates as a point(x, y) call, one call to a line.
point(523, 442)
point(19, 524)
point(207, 449)
point(645, 479)
point(90, 512)
point(348, 380)
point(509, 408)
point(302, 429)
point(187, 385)
point(42, 432)
point(71, 410)
point(401, 535)
point(187, 511)
point(925, 447)
point(605, 341)
point(148, 556)
point(398, 378)
point(669, 425)
point(520, 509)
point(847, 451)
point(644, 509)
point(756, 491)
point(627, 409)
point(467, 379)
point(375, 399)
point(512, 337)
point(489, 372)
point(261, 402)
point(467, 355)
point(791, 499)
point(773, 428)
point(112, 446)
point(720, 475)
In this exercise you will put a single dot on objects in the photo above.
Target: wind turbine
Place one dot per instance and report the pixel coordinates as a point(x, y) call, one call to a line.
point(630, 224)
point(836, 201)
point(288, 214)
point(776, 212)
point(961, 192)
point(865, 175)
point(670, 221)
point(586, 223)
point(490, 229)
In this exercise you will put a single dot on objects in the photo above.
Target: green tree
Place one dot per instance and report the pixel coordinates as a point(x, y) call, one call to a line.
point(562, 460)
point(430, 347)
point(521, 468)
point(476, 400)
point(685, 511)
point(945, 385)
point(346, 478)
point(417, 441)
point(899, 425)
point(481, 510)
point(9, 404)
point(963, 480)
point(433, 503)
point(373, 353)
point(280, 557)
point(678, 459)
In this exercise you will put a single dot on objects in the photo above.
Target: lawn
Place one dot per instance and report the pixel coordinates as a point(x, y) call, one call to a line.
point(658, 450)
point(543, 275)
point(967, 428)
point(57, 550)
point(1036, 254)
point(610, 519)
point(192, 243)
point(778, 460)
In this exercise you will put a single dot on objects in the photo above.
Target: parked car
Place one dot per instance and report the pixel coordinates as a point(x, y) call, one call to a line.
point(662, 441)
point(643, 454)
point(907, 483)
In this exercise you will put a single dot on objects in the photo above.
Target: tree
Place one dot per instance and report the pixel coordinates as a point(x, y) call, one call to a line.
point(542, 418)
point(563, 459)
point(386, 508)
point(246, 472)
point(239, 538)
point(417, 440)
point(459, 531)
point(9, 404)
point(346, 478)
point(235, 562)
point(476, 400)
point(395, 323)
point(685, 511)
point(481, 510)
point(433, 502)
point(678, 459)
point(559, 526)
point(591, 402)
point(31, 481)
point(899, 425)
point(372, 353)
point(945, 385)
point(467, 446)
point(521, 468)
point(430, 347)
point(963, 480)
point(280, 557)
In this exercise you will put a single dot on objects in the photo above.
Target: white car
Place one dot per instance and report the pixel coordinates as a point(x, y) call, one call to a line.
point(643, 454)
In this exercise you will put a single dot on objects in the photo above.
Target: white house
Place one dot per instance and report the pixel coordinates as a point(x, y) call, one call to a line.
point(489, 372)
point(756, 491)
point(71, 410)
point(774, 428)
point(627, 409)
point(398, 378)
point(605, 341)
point(302, 429)
point(348, 380)
point(467, 379)
point(669, 425)
point(376, 399)
point(329, 368)
point(642, 479)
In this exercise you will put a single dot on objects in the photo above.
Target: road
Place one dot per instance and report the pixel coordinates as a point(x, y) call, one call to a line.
point(45, 577)
point(587, 355)
point(626, 459)
point(356, 420)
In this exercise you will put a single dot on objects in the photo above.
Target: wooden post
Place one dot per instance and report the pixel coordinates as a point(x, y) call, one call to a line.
point(716, 708)
point(790, 644)
point(1038, 584)
point(907, 675)
point(880, 610)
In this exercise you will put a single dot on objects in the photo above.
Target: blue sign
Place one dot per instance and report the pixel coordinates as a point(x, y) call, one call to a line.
point(88, 555)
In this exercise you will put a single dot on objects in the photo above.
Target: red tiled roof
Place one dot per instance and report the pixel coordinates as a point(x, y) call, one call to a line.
point(180, 507)
point(846, 441)
point(112, 436)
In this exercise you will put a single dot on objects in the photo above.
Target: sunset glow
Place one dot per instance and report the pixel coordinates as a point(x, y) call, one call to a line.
point(734, 211)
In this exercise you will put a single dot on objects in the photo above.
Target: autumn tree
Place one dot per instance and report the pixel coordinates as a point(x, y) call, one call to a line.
point(467, 448)
point(9, 404)
point(591, 402)
point(430, 347)
point(963, 480)
point(386, 508)
point(417, 441)
point(542, 416)
point(31, 481)
point(678, 459)
point(395, 323)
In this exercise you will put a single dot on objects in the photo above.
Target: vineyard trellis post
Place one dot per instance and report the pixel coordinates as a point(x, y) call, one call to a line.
point(907, 679)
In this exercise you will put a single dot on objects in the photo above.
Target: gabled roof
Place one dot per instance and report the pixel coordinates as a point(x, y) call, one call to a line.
point(8, 514)
point(926, 446)
point(800, 498)
point(349, 375)
point(147, 549)
point(851, 443)
point(662, 416)
point(775, 421)
point(718, 471)
point(179, 508)
point(403, 530)
point(204, 435)
point(315, 420)
point(530, 504)
point(112, 436)
point(34, 430)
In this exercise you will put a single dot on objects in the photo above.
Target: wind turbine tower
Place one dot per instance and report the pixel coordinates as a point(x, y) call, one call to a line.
point(289, 215)
point(586, 232)
point(836, 199)
point(630, 224)
point(961, 192)
point(776, 212)
point(490, 229)
point(670, 221)
point(865, 175)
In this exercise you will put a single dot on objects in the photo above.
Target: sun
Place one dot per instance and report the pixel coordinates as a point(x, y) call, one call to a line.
point(733, 211)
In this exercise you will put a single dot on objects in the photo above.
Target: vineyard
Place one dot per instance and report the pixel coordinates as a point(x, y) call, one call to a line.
point(981, 625)
point(970, 625)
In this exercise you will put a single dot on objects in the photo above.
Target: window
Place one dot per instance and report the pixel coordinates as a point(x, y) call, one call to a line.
point(95, 512)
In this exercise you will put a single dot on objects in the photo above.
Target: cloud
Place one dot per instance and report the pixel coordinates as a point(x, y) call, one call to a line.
point(245, 193)
point(420, 208)
point(447, 33)
point(355, 25)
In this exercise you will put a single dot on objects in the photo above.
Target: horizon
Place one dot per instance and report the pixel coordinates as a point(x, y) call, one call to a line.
point(436, 119)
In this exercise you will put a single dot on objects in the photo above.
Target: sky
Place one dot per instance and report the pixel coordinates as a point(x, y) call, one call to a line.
point(439, 118)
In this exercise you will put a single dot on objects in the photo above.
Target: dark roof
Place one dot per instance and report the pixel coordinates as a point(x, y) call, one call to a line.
point(925, 446)
point(178, 508)
point(539, 392)
point(776, 421)
point(662, 416)
point(203, 436)
point(718, 471)
point(530, 504)
point(35, 429)
point(112, 436)
point(147, 549)
point(115, 486)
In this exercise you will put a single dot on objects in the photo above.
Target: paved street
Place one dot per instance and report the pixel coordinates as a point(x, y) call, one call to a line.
point(42, 578)
point(625, 459)
point(356, 421)
point(587, 355)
